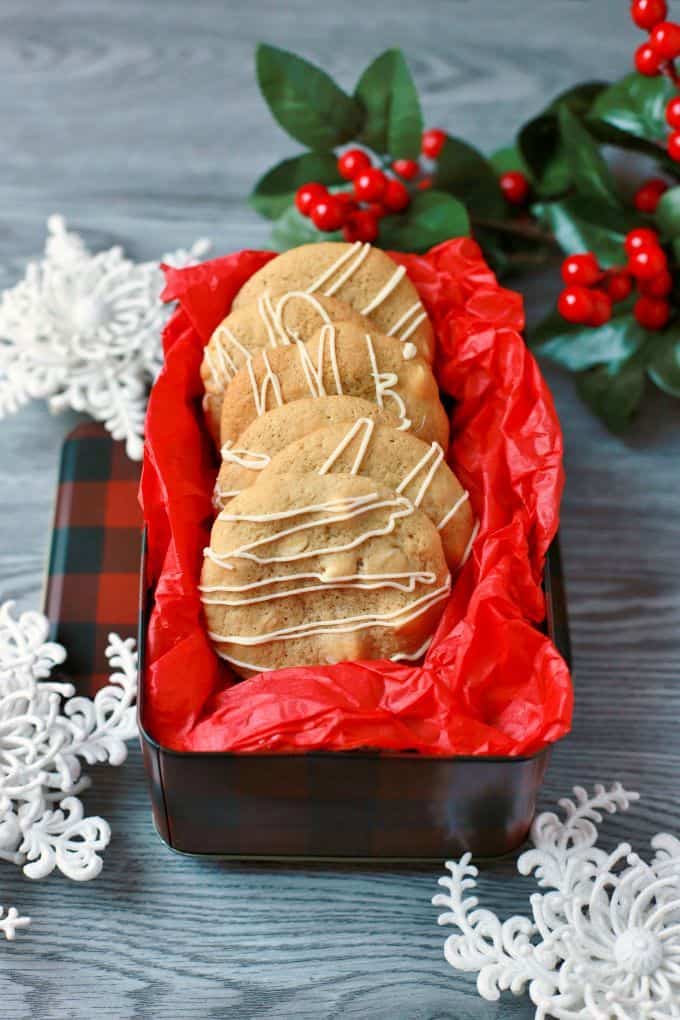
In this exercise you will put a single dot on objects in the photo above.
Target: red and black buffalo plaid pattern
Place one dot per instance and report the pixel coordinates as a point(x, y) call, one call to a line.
point(93, 568)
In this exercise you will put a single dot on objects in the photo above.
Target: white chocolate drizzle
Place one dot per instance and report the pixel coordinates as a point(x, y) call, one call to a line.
point(260, 390)
point(383, 294)
point(382, 382)
point(249, 459)
point(314, 376)
point(416, 314)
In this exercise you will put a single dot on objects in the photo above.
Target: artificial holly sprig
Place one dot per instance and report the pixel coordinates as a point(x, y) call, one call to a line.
point(372, 173)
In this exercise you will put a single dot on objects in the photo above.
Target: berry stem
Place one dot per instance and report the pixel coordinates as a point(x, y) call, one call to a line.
point(516, 228)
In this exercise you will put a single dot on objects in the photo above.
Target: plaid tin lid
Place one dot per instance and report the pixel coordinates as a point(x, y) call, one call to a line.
point(92, 585)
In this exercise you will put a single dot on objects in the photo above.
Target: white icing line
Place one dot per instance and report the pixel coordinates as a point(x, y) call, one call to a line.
point(384, 293)
point(368, 425)
point(436, 455)
point(388, 580)
point(468, 548)
point(348, 272)
point(406, 657)
point(319, 282)
point(413, 327)
point(382, 382)
point(453, 511)
point(344, 625)
point(260, 393)
point(403, 319)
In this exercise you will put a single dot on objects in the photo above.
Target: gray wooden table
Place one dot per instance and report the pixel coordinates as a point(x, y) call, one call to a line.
point(142, 123)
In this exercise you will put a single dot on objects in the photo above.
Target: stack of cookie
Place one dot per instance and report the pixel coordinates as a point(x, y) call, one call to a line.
point(340, 524)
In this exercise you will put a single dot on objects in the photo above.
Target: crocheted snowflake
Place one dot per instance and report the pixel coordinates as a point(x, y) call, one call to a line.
point(45, 733)
point(602, 944)
point(83, 331)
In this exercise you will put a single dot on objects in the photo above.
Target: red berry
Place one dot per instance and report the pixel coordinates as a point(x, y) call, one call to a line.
point(424, 184)
point(651, 313)
point(432, 142)
point(361, 226)
point(396, 196)
point(352, 163)
point(619, 285)
point(328, 213)
point(673, 145)
point(582, 269)
point(575, 304)
point(602, 308)
point(515, 187)
point(665, 39)
point(659, 286)
point(646, 263)
point(673, 112)
point(406, 168)
point(347, 199)
point(370, 185)
point(648, 13)
point(641, 237)
point(647, 196)
point(647, 60)
point(307, 195)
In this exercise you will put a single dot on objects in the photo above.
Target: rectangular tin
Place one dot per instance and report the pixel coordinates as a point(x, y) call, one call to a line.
point(357, 805)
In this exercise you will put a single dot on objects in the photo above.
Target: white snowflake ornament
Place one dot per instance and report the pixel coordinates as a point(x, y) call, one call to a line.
point(83, 331)
point(45, 734)
point(602, 944)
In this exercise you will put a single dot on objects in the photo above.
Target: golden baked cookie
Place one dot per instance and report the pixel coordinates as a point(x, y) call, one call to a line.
point(362, 276)
point(266, 436)
point(395, 459)
point(316, 569)
point(342, 359)
point(270, 321)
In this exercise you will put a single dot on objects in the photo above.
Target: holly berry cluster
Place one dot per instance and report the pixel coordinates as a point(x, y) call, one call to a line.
point(591, 291)
point(375, 193)
point(657, 56)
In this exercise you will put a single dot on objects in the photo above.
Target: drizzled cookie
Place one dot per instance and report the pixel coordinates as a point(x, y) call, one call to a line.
point(358, 274)
point(315, 569)
point(243, 460)
point(267, 322)
point(342, 360)
point(395, 459)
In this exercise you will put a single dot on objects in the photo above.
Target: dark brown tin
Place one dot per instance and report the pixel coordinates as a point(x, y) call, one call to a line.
point(357, 805)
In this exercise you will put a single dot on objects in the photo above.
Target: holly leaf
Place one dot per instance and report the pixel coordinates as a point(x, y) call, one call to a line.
point(636, 105)
point(305, 101)
point(576, 347)
point(540, 140)
point(667, 213)
point(508, 158)
point(291, 230)
point(614, 391)
point(276, 189)
point(588, 172)
point(664, 367)
point(586, 224)
point(393, 122)
point(466, 173)
point(431, 218)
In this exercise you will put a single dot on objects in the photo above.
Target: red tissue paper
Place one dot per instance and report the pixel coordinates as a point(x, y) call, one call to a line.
point(491, 682)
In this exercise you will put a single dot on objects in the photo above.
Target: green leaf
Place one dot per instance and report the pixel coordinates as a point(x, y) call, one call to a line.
point(291, 230)
point(276, 189)
point(508, 158)
point(393, 122)
point(664, 367)
point(577, 347)
point(431, 218)
point(588, 171)
point(540, 141)
point(614, 391)
point(635, 105)
point(305, 100)
point(582, 224)
point(667, 213)
point(465, 173)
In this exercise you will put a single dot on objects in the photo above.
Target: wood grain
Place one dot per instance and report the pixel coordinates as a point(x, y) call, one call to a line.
point(142, 123)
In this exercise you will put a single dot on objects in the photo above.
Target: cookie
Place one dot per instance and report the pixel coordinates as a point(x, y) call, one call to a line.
point(315, 569)
point(395, 459)
point(267, 322)
point(273, 431)
point(342, 359)
point(362, 276)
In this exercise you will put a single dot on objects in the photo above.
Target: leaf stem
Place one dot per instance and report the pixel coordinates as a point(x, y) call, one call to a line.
point(527, 229)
